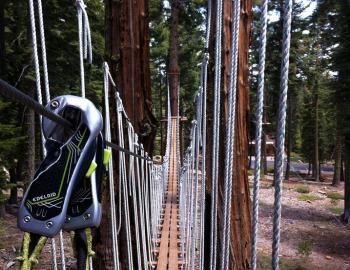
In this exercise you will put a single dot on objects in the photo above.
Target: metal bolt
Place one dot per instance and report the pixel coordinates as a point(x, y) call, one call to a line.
point(26, 219)
point(55, 104)
point(87, 216)
point(49, 224)
point(68, 219)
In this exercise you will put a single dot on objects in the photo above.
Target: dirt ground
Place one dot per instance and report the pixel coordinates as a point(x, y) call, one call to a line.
point(11, 242)
point(312, 237)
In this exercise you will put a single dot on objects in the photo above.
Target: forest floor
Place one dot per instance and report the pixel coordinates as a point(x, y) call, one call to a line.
point(312, 235)
point(11, 242)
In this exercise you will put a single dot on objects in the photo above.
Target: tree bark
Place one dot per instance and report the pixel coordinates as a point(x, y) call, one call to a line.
point(14, 176)
point(263, 155)
point(289, 138)
point(29, 124)
point(2, 37)
point(338, 161)
point(174, 70)
point(346, 215)
point(316, 165)
point(240, 216)
point(127, 52)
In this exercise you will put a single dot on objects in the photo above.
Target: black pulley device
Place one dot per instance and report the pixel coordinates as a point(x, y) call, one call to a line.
point(65, 190)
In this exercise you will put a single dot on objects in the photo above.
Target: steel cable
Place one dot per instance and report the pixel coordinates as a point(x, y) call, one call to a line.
point(216, 137)
point(281, 132)
point(258, 129)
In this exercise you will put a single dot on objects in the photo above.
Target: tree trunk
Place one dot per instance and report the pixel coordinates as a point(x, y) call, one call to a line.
point(338, 161)
point(103, 236)
point(2, 38)
point(2, 210)
point(240, 216)
point(174, 70)
point(289, 138)
point(309, 168)
point(29, 123)
point(161, 116)
point(342, 173)
point(127, 52)
point(13, 180)
point(316, 165)
point(264, 154)
point(346, 215)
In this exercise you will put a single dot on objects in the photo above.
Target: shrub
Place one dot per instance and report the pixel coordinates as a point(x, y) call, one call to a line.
point(335, 196)
point(270, 170)
point(305, 248)
point(309, 197)
point(336, 210)
point(303, 189)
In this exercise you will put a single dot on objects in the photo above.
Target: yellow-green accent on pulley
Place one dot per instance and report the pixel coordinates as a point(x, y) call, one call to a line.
point(107, 153)
point(91, 170)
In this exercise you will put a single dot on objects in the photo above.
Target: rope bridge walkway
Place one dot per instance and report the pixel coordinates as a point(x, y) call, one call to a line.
point(168, 257)
point(167, 200)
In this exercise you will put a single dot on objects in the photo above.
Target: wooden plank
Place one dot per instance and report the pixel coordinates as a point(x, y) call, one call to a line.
point(168, 251)
point(173, 247)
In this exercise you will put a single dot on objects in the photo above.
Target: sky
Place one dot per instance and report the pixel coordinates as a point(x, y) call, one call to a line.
point(307, 12)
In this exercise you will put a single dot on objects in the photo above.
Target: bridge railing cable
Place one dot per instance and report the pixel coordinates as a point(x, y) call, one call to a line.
point(143, 182)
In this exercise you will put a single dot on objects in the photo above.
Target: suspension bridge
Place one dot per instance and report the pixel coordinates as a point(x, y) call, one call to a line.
point(167, 199)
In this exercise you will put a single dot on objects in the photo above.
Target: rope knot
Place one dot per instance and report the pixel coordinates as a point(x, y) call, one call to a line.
point(91, 253)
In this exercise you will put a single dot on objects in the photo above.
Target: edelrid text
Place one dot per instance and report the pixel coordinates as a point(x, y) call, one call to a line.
point(43, 197)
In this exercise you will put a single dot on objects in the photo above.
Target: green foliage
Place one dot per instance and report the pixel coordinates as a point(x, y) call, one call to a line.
point(16, 67)
point(336, 210)
point(270, 170)
point(295, 157)
point(309, 82)
point(305, 248)
point(335, 196)
point(4, 184)
point(264, 263)
point(309, 197)
point(302, 189)
point(191, 44)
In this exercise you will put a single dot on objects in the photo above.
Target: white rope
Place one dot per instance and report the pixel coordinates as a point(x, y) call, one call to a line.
point(108, 79)
point(216, 138)
point(40, 99)
point(141, 208)
point(43, 51)
point(204, 146)
point(134, 194)
point(63, 258)
point(230, 134)
point(85, 46)
point(36, 66)
point(123, 182)
point(281, 130)
point(258, 130)
point(147, 207)
point(141, 175)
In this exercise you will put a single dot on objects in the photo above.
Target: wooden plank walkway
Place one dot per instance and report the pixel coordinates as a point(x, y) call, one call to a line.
point(168, 258)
